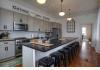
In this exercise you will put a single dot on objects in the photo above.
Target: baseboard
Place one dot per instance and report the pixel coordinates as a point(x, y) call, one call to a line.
point(7, 59)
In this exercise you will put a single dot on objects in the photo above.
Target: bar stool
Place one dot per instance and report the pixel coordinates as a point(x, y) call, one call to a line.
point(77, 46)
point(65, 54)
point(58, 57)
point(46, 62)
point(70, 52)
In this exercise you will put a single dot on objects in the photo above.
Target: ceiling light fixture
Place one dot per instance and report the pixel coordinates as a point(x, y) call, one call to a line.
point(41, 1)
point(69, 18)
point(61, 13)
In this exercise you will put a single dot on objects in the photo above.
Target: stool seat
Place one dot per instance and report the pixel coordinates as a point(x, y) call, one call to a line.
point(57, 57)
point(46, 62)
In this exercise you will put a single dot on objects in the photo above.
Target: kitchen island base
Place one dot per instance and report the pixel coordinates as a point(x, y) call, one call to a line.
point(31, 55)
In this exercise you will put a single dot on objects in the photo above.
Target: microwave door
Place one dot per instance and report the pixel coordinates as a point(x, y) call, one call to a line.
point(20, 27)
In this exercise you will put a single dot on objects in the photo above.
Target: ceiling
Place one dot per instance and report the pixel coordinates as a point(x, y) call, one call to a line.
point(52, 7)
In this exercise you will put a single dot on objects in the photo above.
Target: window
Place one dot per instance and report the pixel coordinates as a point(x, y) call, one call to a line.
point(71, 26)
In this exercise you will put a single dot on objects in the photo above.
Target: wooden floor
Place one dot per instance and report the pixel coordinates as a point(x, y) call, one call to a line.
point(87, 57)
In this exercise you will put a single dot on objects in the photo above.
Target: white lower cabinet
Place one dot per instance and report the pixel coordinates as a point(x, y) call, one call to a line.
point(7, 49)
point(2, 52)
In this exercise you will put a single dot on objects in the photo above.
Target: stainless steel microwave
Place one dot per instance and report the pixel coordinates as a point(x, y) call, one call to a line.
point(20, 27)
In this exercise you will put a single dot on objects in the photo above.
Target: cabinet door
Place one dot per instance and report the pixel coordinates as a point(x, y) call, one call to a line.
point(45, 23)
point(36, 24)
point(6, 20)
point(48, 27)
point(2, 52)
point(50, 24)
point(30, 24)
point(10, 49)
point(41, 25)
point(20, 18)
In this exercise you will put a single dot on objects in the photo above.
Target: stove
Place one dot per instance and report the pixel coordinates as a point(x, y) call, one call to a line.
point(18, 45)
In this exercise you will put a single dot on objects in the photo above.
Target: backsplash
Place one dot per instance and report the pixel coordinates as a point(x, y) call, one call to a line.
point(17, 34)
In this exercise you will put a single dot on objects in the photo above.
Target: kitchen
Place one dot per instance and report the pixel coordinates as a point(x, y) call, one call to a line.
point(24, 28)
point(18, 28)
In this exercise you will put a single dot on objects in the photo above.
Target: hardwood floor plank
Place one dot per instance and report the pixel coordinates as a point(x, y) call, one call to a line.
point(87, 57)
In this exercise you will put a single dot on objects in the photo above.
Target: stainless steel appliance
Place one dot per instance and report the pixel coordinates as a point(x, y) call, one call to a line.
point(20, 27)
point(18, 43)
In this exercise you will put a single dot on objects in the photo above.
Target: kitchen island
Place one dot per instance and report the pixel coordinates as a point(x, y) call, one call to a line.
point(32, 52)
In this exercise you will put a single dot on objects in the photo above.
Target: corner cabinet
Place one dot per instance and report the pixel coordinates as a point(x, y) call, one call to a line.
point(7, 49)
point(6, 19)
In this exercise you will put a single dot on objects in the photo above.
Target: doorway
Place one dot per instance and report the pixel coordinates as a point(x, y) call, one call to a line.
point(87, 32)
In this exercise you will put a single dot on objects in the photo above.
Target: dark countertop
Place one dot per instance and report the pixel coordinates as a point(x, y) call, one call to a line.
point(13, 39)
point(45, 49)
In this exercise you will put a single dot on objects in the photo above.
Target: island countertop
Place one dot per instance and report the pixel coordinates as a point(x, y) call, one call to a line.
point(43, 48)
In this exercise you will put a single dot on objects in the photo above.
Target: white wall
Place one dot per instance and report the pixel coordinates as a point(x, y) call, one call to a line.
point(17, 34)
point(98, 33)
point(80, 20)
point(89, 18)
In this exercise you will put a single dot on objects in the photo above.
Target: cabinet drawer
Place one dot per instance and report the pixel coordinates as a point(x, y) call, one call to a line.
point(7, 43)
point(1, 43)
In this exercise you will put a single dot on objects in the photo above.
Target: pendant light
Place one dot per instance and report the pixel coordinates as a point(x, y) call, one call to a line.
point(41, 1)
point(69, 18)
point(61, 13)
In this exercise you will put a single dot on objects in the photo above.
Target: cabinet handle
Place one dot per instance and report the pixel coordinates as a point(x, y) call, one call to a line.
point(7, 48)
point(5, 26)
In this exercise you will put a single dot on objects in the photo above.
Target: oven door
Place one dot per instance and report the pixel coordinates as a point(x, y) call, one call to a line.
point(18, 50)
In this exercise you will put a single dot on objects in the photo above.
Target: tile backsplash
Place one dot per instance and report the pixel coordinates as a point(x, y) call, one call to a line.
point(17, 34)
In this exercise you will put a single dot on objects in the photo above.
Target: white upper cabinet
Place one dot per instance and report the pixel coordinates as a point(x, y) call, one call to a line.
point(49, 26)
point(20, 18)
point(34, 24)
point(6, 20)
point(30, 24)
point(41, 25)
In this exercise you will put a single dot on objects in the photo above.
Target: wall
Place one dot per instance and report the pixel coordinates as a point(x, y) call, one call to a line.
point(98, 33)
point(17, 34)
point(80, 20)
point(89, 18)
